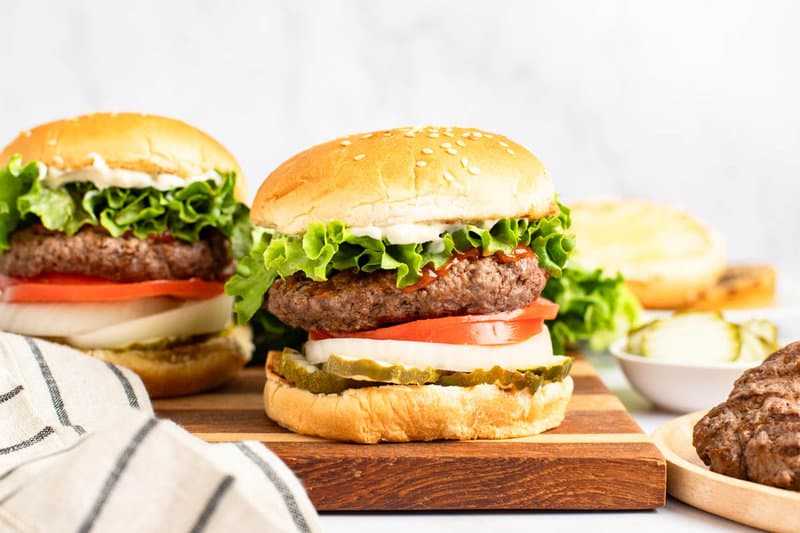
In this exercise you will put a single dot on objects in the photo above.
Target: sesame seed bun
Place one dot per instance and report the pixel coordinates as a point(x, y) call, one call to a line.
point(403, 176)
point(401, 413)
point(667, 257)
point(130, 141)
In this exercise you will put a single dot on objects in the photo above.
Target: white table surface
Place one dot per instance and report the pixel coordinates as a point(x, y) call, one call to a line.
point(675, 516)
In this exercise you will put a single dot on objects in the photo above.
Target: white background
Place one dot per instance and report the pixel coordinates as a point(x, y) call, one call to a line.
point(692, 103)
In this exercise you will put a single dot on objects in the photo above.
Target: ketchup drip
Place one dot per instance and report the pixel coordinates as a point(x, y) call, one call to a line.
point(430, 274)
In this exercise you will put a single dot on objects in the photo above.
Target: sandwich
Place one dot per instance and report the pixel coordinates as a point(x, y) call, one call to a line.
point(117, 233)
point(415, 259)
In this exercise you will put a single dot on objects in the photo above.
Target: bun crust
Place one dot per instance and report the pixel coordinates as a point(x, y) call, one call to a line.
point(186, 368)
point(399, 413)
point(131, 141)
point(405, 176)
point(740, 287)
point(667, 257)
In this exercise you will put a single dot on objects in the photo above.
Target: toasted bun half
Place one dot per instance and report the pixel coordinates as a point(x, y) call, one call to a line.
point(666, 256)
point(131, 141)
point(186, 368)
point(405, 176)
point(739, 287)
point(401, 413)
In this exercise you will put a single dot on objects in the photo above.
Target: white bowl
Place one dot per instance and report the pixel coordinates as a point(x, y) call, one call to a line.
point(679, 386)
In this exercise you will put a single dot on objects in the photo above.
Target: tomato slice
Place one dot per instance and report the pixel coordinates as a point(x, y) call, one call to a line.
point(496, 328)
point(74, 288)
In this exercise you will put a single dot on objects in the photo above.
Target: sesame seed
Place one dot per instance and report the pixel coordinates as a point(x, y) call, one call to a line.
point(461, 143)
point(427, 151)
point(366, 136)
point(433, 135)
point(464, 162)
point(504, 144)
point(409, 133)
point(448, 134)
point(387, 134)
point(452, 151)
point(474, 170)
point(448, 176)
point(52, 142)
point(345, 143)
point(488, 135)
point(477, 134)
point(465, 134)
point(359, 157)
point(446, 145)
point(510, 151)
point(422, 164)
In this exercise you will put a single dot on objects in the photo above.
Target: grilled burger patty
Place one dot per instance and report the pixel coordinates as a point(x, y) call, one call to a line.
point(755, 433)
point(93, 252)
point(354, 301)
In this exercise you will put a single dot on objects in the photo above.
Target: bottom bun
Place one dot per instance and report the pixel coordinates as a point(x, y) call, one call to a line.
point(401, 413)
point(186, 368)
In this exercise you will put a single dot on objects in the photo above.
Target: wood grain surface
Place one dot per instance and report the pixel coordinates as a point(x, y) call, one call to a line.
point(597, 459)
point(767, 508)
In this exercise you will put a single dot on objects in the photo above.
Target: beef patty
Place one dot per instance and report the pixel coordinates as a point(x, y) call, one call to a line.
point(755, 433)
point(354, 301)
point(93, 252)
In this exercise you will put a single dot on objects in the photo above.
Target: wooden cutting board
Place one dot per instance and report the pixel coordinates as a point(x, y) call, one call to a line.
point(597, 459)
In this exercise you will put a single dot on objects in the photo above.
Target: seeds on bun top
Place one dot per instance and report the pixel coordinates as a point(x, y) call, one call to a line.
point(405, 176)
point(131, 141)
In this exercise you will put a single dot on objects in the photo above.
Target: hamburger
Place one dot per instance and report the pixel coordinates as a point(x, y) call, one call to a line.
point(415, 259)
point(117, 233)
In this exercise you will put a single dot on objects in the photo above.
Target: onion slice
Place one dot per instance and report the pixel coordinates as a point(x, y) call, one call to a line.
point(536, 351)
point(65, 319)
point(191, 318)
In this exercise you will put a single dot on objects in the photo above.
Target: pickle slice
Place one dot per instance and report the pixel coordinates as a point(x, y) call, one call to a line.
point(636, 337)
point(764, 329)
point(368, 370)
point(294, 367)
point(339, 374)
point(692, 336)
point(530, 379)
point(754, 347)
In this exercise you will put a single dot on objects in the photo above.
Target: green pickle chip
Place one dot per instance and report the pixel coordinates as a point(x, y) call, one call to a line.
point(368, 370)
point(292, 365)
point(338, 374)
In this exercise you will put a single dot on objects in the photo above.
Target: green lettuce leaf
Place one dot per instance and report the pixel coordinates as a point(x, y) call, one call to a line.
point(183, 212)
point(325, 249)
point(14, 179)
point(593, 307)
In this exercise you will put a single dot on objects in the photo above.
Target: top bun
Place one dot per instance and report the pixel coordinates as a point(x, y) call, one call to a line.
point(403, 176)
point(667, 257)
point(130, 141)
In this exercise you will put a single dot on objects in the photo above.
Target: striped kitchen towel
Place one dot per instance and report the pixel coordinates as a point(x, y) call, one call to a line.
point(80, 450)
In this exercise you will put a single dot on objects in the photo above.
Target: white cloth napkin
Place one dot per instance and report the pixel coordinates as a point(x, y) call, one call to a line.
point(80, 450)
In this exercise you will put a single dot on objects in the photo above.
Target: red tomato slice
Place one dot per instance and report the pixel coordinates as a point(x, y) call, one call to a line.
point(496, 328)
point(73, 288)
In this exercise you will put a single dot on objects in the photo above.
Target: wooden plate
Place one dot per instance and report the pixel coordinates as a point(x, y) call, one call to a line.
point(689, 480)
